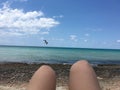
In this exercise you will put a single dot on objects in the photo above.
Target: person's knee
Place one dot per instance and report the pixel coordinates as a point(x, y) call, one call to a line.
point(41, 78)
point(80, 65)
point(47, 69)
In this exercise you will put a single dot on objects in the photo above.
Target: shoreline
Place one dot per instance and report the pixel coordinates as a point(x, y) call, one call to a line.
point(93, 63)
point(18, 74)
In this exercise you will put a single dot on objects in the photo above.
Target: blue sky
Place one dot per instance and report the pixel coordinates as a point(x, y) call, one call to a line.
point(63, 23)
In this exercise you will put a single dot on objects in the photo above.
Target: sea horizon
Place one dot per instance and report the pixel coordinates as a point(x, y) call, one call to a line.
point(45, 46)
point(58, 55)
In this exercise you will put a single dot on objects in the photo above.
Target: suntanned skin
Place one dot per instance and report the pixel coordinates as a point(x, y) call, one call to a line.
point(43, 79)
point(82, 77)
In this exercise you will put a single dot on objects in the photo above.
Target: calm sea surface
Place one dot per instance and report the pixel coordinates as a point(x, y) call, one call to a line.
point(58, 55)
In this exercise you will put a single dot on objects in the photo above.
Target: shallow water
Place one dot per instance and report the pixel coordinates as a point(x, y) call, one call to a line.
point(58, 55)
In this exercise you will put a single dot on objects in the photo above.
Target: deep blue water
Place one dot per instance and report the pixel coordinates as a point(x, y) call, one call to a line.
point(58, 55)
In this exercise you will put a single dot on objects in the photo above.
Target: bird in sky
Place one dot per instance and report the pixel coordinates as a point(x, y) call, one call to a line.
point(45, 41)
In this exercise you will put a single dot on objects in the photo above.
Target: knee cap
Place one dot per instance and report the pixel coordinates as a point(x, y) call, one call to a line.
point(80, 64)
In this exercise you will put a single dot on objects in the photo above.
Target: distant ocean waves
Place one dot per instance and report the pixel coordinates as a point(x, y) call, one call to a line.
point(55, 55)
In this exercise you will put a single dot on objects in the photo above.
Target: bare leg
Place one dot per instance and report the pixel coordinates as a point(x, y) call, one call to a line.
point(83, 77)
point(43, 79)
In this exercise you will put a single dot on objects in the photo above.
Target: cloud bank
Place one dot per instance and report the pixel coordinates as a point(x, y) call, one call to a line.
point(18, 22)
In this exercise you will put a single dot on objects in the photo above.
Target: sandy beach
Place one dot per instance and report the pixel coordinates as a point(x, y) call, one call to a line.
point(15, 76)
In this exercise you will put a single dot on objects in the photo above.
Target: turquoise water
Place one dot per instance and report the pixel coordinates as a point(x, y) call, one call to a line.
point(58, 55)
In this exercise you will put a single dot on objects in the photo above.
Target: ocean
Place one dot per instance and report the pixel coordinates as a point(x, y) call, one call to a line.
point(58, 55)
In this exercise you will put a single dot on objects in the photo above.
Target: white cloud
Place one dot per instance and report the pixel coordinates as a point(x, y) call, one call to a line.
point(18, 22)
point(45, 32)
point(60, 16)
point(73, 38)
point(41, 38)
point(118, 41)
point(87, 34)
point(85, 40)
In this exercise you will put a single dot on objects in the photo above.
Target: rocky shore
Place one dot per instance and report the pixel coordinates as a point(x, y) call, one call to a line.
point(15, 76)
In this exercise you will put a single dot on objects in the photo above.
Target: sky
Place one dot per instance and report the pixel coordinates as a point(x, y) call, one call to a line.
point(63, 23)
